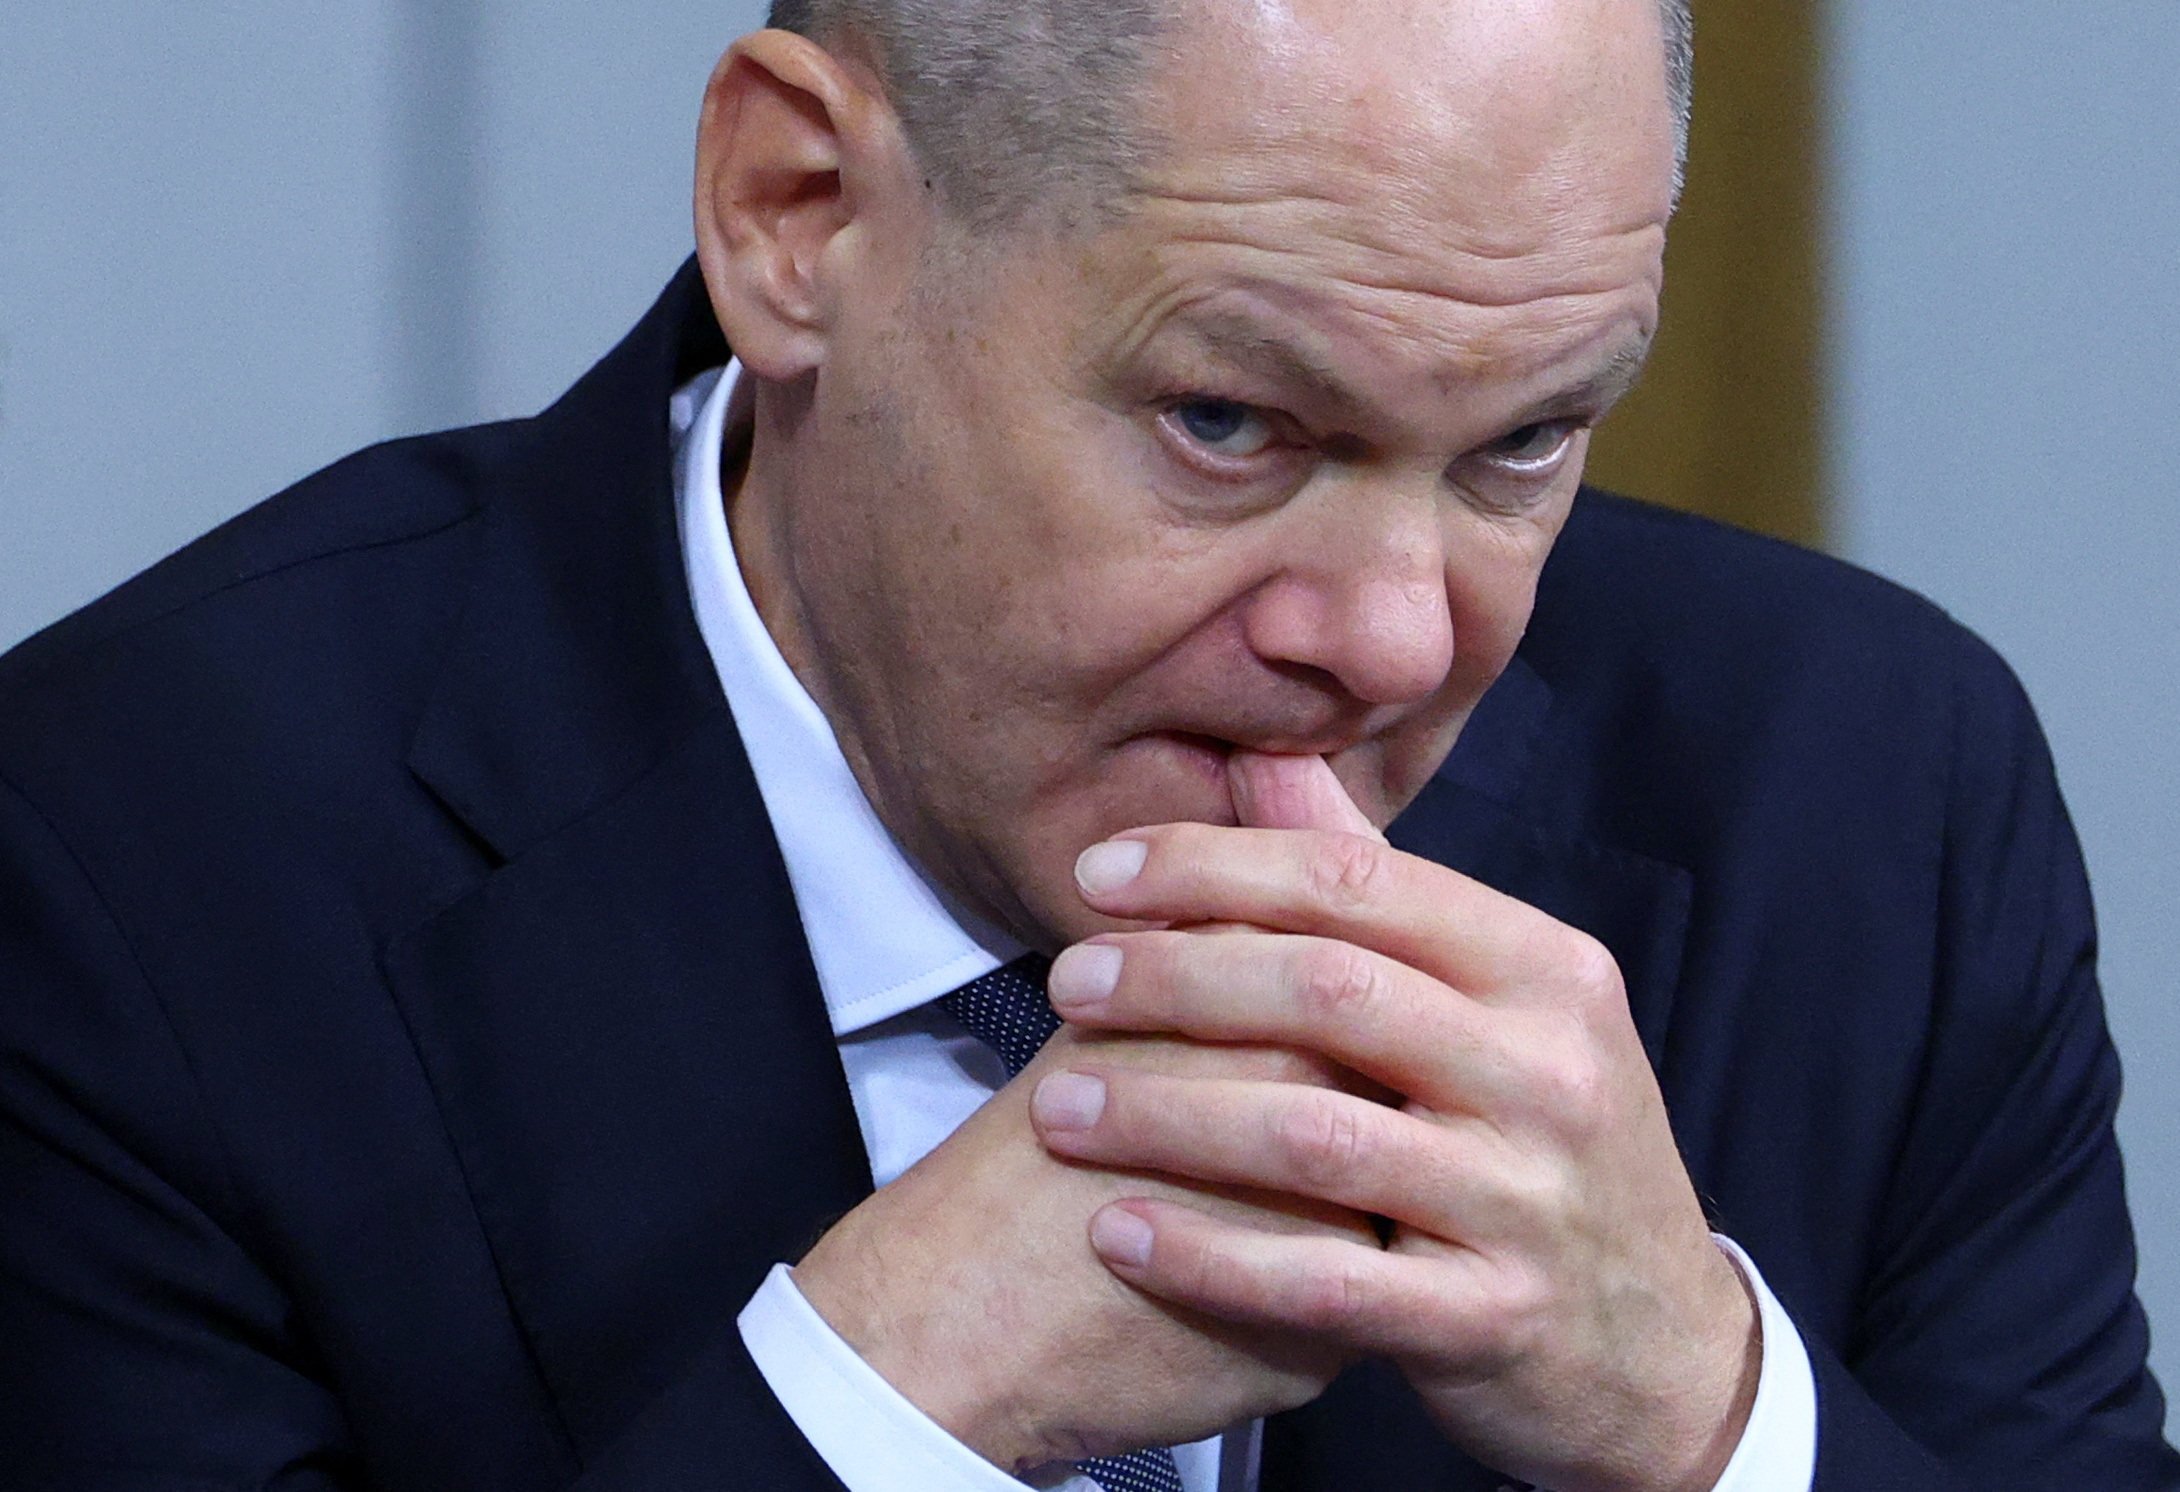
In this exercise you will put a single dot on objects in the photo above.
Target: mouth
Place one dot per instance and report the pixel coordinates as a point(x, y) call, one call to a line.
point(1207, 754)
point(1196, 768)
point(1195, 765)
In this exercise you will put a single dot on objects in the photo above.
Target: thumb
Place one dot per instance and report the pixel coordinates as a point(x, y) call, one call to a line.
point(1293, 792)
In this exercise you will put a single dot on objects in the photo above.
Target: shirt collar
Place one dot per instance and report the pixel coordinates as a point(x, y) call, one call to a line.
point(882, 937)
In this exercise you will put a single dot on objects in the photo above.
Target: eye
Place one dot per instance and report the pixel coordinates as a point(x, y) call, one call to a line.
point(1223, 427)
point(1533, 447)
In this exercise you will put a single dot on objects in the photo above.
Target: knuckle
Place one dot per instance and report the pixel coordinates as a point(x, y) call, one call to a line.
point(1346, 870)
point(1542, 1192)
point(1591, 970)
point(1575, 1085)
point(1334, 1300)
point(1338, 985)
point(1514, 1315)
point(1324, 1138)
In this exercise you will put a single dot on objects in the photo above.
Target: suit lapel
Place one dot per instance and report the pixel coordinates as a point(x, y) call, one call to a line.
point(620, 1022)
point(631, 1053)
point(577, 660)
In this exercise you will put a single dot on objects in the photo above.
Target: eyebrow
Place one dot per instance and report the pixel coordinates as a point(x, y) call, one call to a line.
point(1241, 341)
point(1602, 389)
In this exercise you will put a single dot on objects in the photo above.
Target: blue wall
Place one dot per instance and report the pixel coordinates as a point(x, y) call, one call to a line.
point(240, 237)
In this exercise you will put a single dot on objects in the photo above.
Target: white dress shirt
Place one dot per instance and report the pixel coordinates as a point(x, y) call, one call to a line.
point(886, 943)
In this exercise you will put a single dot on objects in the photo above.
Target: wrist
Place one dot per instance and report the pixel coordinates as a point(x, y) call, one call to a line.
point(1677, 1421)
point(914, 1353)
point(1727, 1393)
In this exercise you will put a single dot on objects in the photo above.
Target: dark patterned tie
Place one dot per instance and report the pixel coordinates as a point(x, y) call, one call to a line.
point(1008, 1012)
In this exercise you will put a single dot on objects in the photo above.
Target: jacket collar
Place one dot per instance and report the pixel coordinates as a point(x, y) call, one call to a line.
point(576, 662)
point(620, 1022)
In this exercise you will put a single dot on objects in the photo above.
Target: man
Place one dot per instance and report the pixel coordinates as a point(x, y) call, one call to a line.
point(476, 920)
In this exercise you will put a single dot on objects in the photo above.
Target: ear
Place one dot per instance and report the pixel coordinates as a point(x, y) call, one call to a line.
point(798, 154)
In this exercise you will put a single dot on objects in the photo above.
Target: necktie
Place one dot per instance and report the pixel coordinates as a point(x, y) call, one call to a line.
point(1007, 1011)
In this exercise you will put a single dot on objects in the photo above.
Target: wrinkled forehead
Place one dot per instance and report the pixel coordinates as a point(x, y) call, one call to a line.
point(1498, 122)
point(1444, 211)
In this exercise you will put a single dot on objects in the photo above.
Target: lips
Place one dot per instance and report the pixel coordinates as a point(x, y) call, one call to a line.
point(1283, 739)
point(1205, 754)
point(1180, 775)
point(1197, 741)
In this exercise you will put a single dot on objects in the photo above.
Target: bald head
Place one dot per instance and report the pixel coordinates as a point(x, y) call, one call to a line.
point(1011, 104)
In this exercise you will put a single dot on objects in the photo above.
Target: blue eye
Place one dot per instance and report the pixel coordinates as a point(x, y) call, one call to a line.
point(1223, 426)
point(1213, 420)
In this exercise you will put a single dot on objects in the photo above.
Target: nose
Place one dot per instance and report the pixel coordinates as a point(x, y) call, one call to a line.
point(1366, 603)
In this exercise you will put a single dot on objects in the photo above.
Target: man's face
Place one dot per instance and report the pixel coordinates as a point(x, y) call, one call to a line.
point(1272, 462)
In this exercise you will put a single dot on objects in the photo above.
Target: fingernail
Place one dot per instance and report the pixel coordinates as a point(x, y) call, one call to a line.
point(1083, 976)
point(1121, 1236)
point(1068, 1101)
point(1111, 865)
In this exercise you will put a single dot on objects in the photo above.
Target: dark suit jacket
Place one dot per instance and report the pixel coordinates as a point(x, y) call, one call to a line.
point(410, 1060)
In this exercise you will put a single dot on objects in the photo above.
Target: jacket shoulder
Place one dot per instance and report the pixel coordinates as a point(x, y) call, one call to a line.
point(1639, 594)
point(382, 496)
point(275, 663)
point(1662, 582)
point(1706, 679)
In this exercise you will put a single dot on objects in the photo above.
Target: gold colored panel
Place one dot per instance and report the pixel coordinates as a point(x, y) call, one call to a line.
point(1727, 420)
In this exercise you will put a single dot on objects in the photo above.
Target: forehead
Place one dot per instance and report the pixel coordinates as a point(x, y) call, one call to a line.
point(1472, 179)
point(1438, 96)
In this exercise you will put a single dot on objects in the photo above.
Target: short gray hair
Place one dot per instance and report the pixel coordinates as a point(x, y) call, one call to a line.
point(1009, 103)
point(1679, 20)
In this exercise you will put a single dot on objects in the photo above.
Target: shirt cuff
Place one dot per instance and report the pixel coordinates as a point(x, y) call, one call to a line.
point(1778, 1449)
point(865, 1431)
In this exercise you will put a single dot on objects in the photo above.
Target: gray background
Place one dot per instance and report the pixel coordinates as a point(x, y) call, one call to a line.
point(240, 237)
point(2005, 435)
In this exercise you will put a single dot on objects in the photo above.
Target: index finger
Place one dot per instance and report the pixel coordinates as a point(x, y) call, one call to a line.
point(1331, 884)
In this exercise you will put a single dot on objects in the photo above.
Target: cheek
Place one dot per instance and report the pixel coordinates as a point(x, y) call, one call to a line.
point(1491, 586)
point(1106, 631)
point(1100, 583)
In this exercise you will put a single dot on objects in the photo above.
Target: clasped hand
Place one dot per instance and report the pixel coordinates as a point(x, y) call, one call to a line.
point(1314, 1030)
point(967, 1283)
point(1550, 1287)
